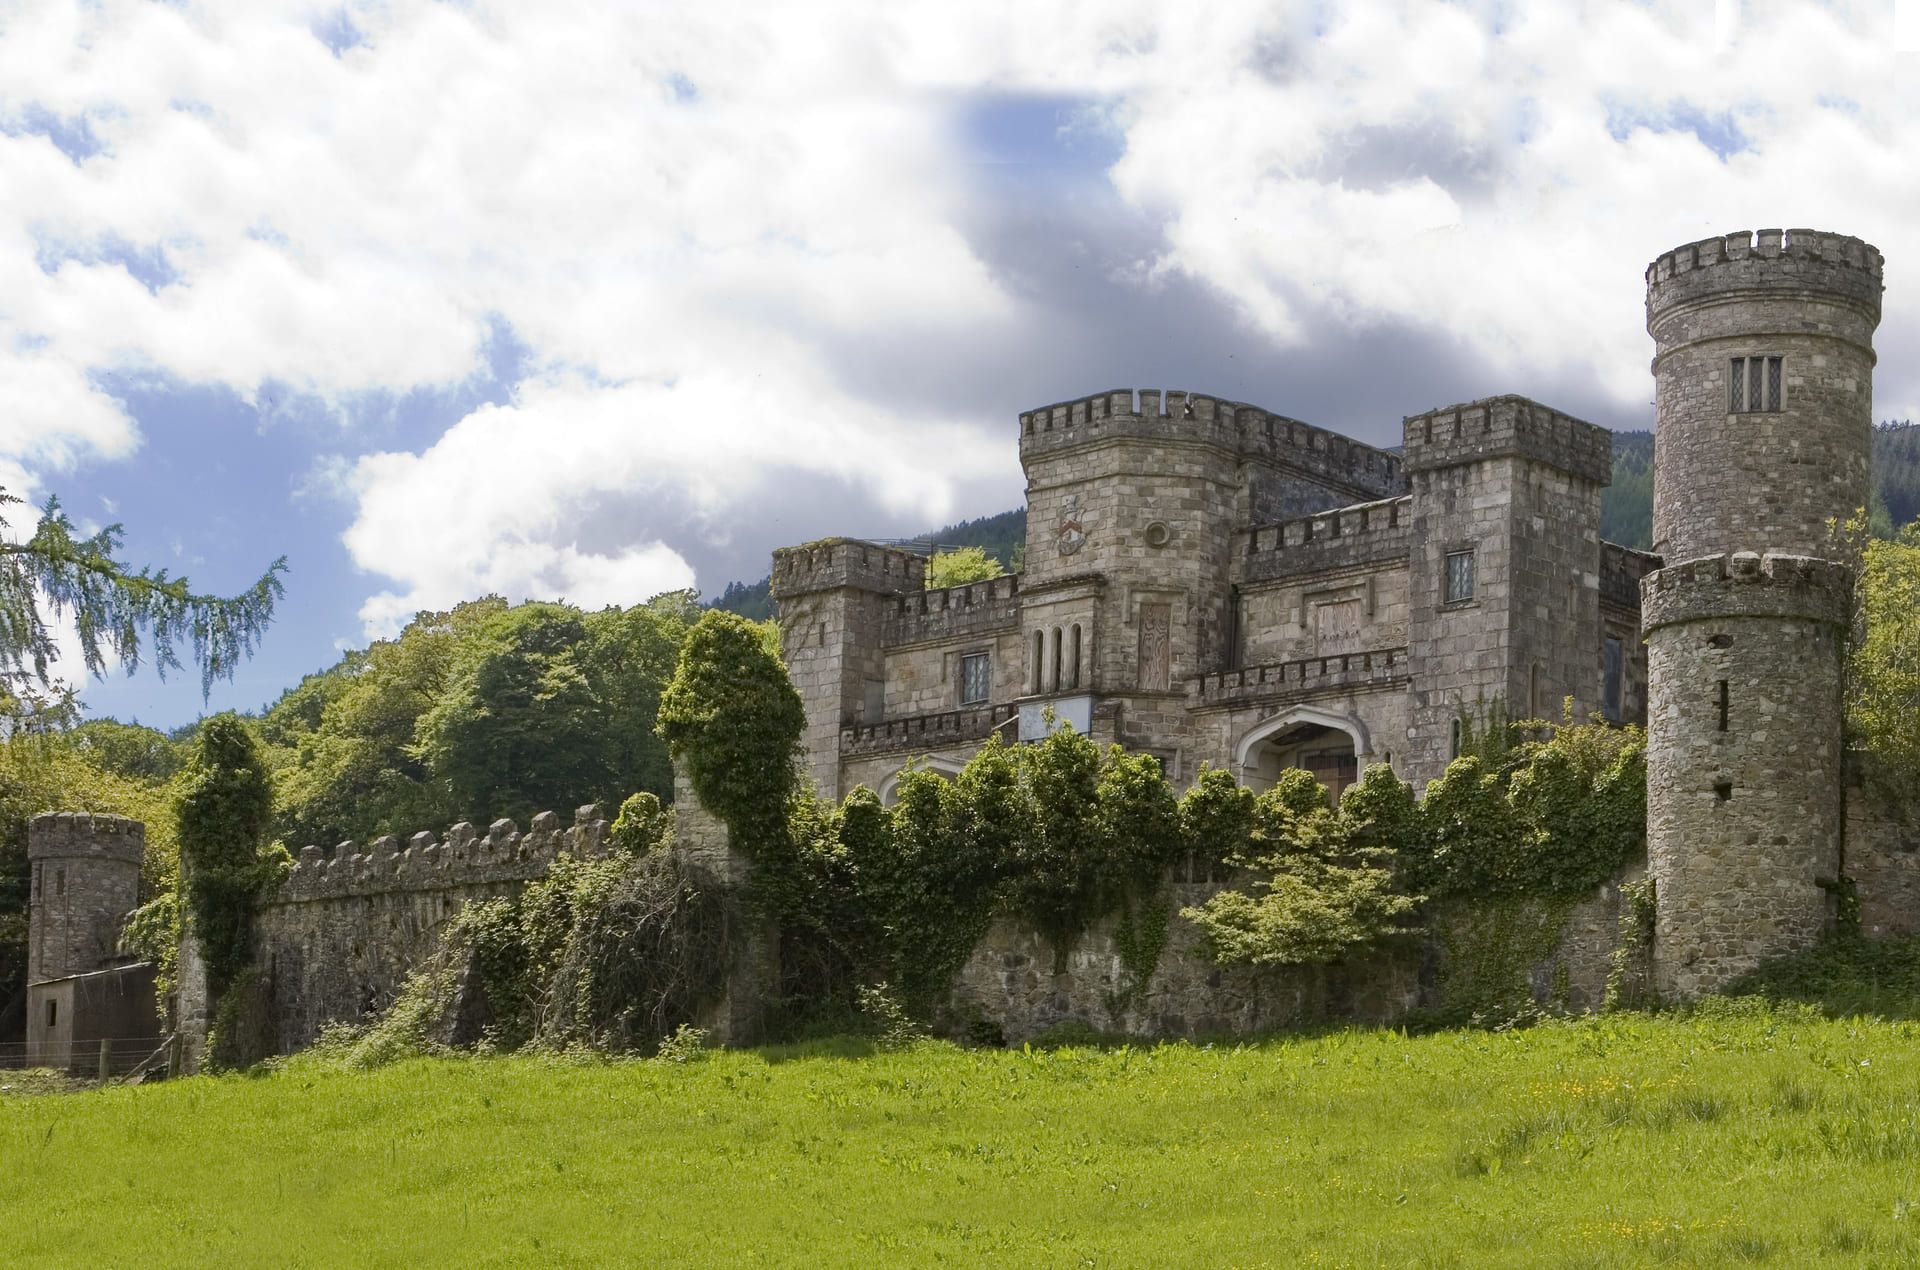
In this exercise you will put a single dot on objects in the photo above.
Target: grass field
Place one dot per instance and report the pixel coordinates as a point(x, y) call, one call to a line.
point(1739, 1136)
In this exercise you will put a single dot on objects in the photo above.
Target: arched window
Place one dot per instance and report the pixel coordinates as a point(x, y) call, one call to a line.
point(1036, 670)
point(1073, 660)
point(1055, 677)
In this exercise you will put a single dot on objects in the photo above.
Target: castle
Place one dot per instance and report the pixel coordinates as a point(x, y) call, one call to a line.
point(1216, 584)
point(1211, 583)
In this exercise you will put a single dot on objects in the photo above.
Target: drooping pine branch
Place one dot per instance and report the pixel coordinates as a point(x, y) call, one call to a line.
point(116, 608)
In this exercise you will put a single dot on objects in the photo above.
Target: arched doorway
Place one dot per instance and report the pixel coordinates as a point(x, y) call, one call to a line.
point(889, 789)
point(1333, 747)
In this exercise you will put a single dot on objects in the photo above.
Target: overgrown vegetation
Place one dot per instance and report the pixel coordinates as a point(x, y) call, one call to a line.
point(224, 808)
point(613, 954)
point(1883, 671)
point(1533, 817)
point(1734, 1135)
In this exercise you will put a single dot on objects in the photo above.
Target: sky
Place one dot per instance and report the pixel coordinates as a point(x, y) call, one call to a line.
point(588, 301)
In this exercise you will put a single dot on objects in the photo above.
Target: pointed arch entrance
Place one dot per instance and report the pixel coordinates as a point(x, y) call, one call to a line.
point(1332, 746)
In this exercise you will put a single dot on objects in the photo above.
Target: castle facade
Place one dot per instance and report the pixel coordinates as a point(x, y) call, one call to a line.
point(1215, 584)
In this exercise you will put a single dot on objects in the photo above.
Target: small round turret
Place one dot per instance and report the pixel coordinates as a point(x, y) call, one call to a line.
point(85, 878)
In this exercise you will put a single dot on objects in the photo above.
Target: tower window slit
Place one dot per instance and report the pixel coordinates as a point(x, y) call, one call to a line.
point(1723, 705)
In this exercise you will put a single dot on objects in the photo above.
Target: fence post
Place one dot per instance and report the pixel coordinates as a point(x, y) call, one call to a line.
point(174, 1056)
point(106, 1057)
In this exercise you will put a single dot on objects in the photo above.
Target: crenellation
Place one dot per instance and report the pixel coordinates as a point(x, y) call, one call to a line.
point(847, 562)
point(1621, 569)
point(430, 862)
point(948, 612)
point(1507, 426)
point(1365, 533)
point(1174, 416)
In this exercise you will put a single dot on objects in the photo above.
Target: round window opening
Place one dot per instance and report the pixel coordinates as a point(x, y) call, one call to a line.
point(1720, 641)
point(1158, 534)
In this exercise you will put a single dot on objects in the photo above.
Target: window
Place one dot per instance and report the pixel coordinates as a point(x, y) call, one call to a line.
point(1611, 676)
point(1723, 705)
point(1453, 741)
point(1459, 576)
point(1753, 383)
point(974, 678)
point(53, 1011)
point(59, 881)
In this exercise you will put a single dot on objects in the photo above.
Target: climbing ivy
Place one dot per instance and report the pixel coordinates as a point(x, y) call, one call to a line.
point(732, 719)
point(225, 804)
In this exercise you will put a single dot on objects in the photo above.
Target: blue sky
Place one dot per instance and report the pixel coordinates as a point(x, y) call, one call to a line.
point(587, 301)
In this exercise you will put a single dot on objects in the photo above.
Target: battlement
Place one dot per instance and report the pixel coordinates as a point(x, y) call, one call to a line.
point(1507, 426)
point(926, 731)
point(947, 612)
point(1747, 584)
point(465, 857)
point(1305, 676)
point(1244, 431)
point(1364, 533)
point(1766, 260)
point(847, 562)
point(1621, 569)
point(67, 835)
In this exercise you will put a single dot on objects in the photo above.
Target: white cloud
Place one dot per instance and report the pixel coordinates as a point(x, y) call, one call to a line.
point(692, 213)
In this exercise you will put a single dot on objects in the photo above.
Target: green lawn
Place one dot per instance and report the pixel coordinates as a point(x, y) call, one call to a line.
point(1729, 1138)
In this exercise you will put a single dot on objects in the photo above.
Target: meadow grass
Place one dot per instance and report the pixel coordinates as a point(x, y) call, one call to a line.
point(1740, 1134)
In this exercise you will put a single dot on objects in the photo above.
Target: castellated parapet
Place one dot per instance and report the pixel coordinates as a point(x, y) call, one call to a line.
point(85, 877)
point(347, 926)
point(1174, 417)
point(465, 857)
point(1508, 426)
point(1763, 369)
point(847, 562)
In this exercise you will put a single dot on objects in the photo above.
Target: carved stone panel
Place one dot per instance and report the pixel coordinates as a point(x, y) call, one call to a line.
point(1156, 647)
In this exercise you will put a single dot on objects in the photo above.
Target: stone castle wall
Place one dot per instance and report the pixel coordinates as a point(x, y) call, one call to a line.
point(1019, 984)
point(347, 927)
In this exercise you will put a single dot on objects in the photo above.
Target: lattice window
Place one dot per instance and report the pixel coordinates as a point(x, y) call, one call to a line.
point(1753, 384)
point(975, 678)
point(1459, 576)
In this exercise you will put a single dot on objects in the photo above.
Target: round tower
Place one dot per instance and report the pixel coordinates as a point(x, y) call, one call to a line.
point(1764, 374)
point(1763, 367)
point(85, 879)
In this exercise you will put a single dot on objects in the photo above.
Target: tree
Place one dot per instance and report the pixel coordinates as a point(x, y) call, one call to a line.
point(961, 566)
point(518, 728)
point(733, 718)
point(226, 804)
point(1329, 886)
point(1884, 670)
point(112, 607)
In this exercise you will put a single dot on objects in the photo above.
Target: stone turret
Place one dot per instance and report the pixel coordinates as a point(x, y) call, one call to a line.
point(835, 599)
point(85, 879)
point(1764, 373)
point(1504, 559)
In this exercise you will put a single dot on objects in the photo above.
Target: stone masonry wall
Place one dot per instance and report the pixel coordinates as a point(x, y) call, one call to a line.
point(348, 927)
point(1018, 983)
point(1743, 760)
